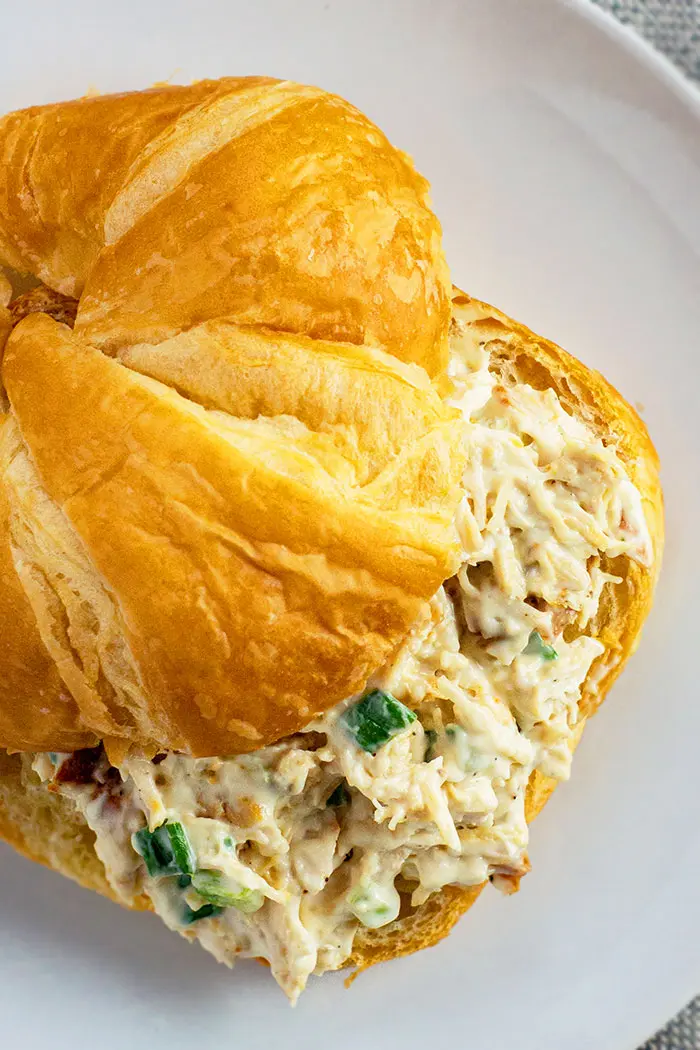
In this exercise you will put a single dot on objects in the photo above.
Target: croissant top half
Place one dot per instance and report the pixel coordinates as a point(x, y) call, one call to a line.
point(227, 492)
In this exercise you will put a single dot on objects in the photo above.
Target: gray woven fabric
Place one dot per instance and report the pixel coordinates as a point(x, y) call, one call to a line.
point(673, 26)
point(683, 1033)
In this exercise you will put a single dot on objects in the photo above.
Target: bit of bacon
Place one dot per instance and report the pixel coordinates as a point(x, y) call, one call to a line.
point(89, 768)
point(80, 767)
point(43, 300)
point(561, 618)
point(562, 615)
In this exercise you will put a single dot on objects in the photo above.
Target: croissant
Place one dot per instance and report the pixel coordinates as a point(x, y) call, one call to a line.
point(229, 489)
point(312, 567)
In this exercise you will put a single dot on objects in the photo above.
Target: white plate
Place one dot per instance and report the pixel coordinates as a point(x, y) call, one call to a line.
point(565, 160)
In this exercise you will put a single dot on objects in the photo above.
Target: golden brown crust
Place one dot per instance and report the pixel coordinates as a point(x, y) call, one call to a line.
point(370, 405)
point(239, 624)
point(308, 246)
point(29, 679)
point(329, 232)
point(57, 236)
point(212, 558)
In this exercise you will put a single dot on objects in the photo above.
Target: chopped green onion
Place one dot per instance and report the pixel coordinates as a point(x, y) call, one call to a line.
point(143, 843)
point(210, 886)
point(376, 718)
point(165, 851)
point(205, 912)
point(537, 647)
point(340, 796)
point(228, 842)
point(374, 905)
point(430, 742)
point(249, 901)
point(182, 850)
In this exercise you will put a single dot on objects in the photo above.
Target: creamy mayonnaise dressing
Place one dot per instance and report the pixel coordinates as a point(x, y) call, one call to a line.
point(493, 671)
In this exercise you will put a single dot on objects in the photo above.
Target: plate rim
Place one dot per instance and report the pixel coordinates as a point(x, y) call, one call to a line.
point(686, 93)
point(631, 40)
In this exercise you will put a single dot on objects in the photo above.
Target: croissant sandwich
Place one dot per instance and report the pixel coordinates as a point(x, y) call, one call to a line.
point(312, 567)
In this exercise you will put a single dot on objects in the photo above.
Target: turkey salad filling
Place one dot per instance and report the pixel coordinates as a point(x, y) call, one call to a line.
point(284, 854)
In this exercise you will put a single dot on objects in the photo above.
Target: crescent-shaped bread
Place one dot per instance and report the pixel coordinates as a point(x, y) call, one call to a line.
point(228, 484)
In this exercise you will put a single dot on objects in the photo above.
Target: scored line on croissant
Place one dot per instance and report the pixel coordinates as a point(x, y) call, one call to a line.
point(312, 567)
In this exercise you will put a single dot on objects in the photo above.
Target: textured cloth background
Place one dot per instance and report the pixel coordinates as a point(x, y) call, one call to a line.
point(673, 26)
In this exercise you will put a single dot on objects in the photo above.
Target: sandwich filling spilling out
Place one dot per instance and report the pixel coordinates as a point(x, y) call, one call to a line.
point(286, 853)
